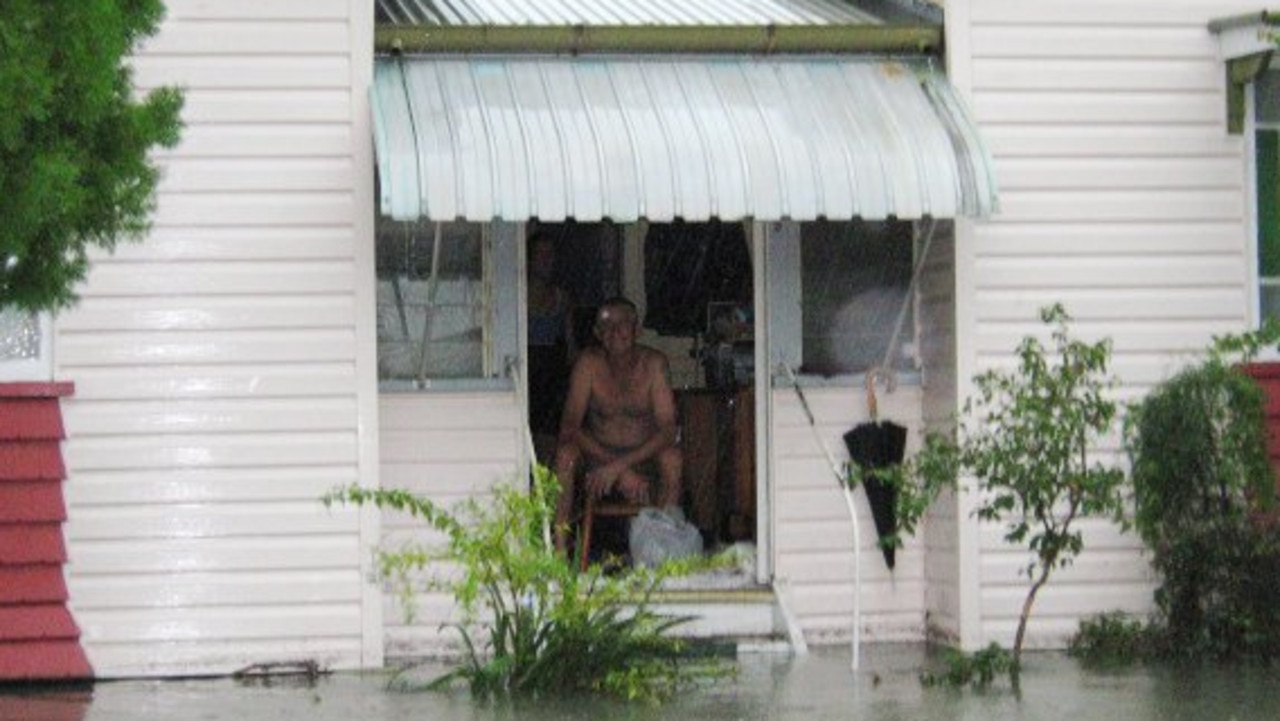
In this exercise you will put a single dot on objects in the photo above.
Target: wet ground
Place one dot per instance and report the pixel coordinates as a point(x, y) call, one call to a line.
point(815, 687)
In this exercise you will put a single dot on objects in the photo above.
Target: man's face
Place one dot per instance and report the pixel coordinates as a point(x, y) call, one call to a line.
point(616, 328)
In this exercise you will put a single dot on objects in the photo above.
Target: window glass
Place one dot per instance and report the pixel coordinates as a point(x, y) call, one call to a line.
point(1267, 97)
point(1267, 165)
point(19, 335)
point(854, 279)
point(691, 267)
point(434, 309)
point(1268, 221)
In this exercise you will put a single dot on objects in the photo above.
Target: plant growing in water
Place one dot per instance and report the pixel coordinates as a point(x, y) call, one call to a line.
point(1026, 440)
point(546, 628)
point(1112, 639)
point(978, 669)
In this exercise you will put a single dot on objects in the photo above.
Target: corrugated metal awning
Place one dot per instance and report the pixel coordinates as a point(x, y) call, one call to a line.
point(618, 12)
point(801, 138)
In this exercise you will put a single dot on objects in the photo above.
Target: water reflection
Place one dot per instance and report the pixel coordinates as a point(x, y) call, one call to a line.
point(812, 688)
point(44, 703)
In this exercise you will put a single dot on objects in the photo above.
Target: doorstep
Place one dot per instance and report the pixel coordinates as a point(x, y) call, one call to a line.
point(750, 617)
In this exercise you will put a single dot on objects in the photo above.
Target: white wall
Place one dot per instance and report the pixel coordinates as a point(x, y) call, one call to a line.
point(1122, 197)
point(936, 336)
point(813, 545)
point(448, 447)
point(222, 369)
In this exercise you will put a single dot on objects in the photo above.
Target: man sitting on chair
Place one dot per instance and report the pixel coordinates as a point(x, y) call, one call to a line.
point(619, 420)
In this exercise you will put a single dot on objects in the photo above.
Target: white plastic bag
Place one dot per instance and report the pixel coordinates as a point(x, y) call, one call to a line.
point(658, 535)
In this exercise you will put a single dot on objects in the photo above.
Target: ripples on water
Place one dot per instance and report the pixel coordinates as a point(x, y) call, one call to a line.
point(817, 687)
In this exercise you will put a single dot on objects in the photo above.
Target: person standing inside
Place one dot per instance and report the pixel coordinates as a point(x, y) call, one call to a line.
point(550, 344)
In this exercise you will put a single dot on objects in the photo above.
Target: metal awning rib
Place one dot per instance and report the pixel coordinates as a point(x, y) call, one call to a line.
point(515, 138)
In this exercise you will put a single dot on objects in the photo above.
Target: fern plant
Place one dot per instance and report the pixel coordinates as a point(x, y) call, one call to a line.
point(532, 624)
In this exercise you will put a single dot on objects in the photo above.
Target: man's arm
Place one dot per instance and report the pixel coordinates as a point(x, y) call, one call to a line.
point(575, 410)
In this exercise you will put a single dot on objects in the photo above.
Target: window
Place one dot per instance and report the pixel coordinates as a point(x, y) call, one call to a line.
point(24, 346)
point(1267, 159)
point(690, 267)
point(840, 294)
point(853, 280)
point(438, 310)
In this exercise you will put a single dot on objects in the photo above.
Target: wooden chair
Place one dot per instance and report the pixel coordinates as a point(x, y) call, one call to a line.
point(603, 508)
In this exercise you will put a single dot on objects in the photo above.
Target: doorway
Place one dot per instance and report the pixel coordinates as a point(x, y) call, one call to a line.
point(693, 284)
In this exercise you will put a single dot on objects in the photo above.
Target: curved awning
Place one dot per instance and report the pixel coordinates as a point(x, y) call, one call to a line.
point(768, 138)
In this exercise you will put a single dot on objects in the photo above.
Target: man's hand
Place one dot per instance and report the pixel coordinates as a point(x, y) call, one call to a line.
point(602, 478)
point(633, 486)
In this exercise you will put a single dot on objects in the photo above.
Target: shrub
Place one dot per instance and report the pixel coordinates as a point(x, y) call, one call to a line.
point(1113, 639)
point(546, 628)
point(1201, 475)
point(978, 669)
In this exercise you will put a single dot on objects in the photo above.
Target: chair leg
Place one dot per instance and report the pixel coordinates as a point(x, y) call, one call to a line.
point(584, 533)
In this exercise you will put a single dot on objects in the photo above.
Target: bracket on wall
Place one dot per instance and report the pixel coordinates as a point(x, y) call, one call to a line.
point(1246, 44)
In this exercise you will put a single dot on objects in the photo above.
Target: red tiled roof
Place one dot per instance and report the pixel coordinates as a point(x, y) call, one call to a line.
point(38, 636)
point(30, 460)
point(28, 419)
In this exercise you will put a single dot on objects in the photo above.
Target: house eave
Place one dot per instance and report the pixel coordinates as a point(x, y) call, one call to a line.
point(1261, 17)
point(692, 39)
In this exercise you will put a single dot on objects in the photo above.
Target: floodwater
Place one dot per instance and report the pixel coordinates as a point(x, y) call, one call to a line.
point(815, 687)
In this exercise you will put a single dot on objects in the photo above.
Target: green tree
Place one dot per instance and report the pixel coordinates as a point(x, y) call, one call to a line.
point(1026, 440)
point(74, 171)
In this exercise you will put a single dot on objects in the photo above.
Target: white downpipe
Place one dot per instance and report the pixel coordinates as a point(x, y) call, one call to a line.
point(853, 516)
point(795, 634)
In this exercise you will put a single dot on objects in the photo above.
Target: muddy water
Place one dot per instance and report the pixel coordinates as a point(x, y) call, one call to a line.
point(812, 688)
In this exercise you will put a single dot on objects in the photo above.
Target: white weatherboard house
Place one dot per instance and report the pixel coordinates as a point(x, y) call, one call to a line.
point(333, 292)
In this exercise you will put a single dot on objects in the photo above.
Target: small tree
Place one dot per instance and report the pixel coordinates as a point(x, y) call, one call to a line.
point(1026, 439)
point(74, 171)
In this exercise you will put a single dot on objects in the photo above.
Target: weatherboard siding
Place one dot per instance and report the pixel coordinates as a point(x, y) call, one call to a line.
point(448, 447)
point(1124, 198)
point(813, 545)
point(936, 339)
point(219, 366)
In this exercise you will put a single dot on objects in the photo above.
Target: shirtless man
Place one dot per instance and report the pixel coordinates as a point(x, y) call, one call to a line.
point(619, 419)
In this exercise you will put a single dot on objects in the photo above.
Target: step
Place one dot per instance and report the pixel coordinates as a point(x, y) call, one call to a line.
point(748, 613)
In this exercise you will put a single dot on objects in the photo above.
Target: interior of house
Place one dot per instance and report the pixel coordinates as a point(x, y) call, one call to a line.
point(693, 284)
point(448, 293)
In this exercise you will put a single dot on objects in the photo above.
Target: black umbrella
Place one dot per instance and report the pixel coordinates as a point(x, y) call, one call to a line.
point(874, 446)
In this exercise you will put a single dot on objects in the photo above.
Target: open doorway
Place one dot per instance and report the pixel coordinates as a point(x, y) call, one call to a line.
point(693, 285)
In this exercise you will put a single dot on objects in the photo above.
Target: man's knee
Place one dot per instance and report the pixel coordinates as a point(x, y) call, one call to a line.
point(671, 458)
point(568, 458)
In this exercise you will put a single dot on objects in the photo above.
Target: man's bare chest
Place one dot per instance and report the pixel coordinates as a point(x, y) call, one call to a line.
point(627, 396)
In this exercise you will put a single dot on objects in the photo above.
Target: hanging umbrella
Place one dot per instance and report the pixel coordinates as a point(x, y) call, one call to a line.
point(875, 446)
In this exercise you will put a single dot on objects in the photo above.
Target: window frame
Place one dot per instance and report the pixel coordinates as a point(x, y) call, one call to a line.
point(785, 302)
point(500, 244)
point(1254, 204)
point(39, 368)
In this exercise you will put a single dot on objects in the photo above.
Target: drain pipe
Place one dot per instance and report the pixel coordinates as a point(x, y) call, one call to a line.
point(853, 515)
point(795, 634)
point(906, 39)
